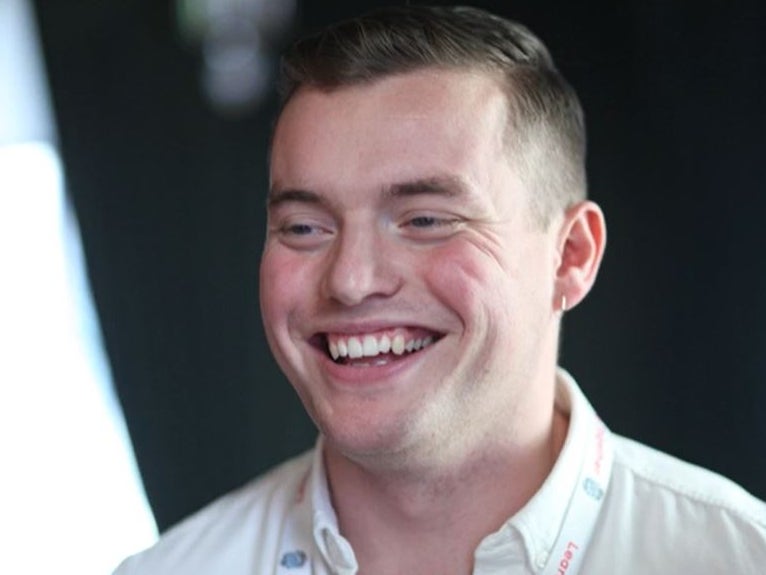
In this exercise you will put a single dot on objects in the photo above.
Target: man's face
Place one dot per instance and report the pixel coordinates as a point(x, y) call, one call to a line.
point(405, 289)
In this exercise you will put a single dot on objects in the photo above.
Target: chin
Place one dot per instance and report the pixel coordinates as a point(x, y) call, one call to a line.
point(363, 439)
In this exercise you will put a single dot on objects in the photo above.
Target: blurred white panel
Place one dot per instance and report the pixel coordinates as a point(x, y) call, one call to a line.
point(24, 105)
point(71, 499)
point(70, 493)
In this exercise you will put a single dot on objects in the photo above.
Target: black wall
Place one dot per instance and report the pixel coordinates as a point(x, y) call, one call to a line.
point(669, 346)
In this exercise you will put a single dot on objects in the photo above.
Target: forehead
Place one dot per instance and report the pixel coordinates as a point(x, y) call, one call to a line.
point(408, 126)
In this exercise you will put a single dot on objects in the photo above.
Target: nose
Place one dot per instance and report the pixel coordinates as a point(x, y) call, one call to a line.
point(359, 266)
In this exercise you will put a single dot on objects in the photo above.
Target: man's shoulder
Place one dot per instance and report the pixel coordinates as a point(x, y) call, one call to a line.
point(651, 473)
point(233, 534)
point(665, 515)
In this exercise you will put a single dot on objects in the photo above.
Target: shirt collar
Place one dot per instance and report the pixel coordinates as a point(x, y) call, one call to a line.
point(537, 524)
point(335, 549)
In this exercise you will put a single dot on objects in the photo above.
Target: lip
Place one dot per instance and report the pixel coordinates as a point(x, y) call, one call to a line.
point(361, 327)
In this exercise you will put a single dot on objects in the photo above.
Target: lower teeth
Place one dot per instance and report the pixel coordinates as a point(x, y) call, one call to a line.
point(367, 361)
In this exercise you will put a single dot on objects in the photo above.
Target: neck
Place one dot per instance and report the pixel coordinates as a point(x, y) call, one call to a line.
point(447, 510)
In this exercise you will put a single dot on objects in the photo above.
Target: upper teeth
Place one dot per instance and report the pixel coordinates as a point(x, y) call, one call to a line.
point(355, 347)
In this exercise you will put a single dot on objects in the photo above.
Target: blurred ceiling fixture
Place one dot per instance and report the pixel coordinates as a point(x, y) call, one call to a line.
point(237, 39)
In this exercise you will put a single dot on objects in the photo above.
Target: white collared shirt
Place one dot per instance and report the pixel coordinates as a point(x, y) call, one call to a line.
point(657, 515)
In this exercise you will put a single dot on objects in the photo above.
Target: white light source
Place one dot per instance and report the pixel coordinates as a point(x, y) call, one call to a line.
point(237, 39)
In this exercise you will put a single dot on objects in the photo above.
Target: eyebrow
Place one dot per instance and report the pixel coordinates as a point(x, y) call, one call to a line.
point(445, 186)
point(277, 197)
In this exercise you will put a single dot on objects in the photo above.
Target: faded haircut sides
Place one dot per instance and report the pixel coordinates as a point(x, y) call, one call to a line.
point(546, 128)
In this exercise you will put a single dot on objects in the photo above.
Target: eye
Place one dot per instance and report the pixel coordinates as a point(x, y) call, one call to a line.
point(430, 226)
point(301, 234)
point(425, 222)
point(300, 229)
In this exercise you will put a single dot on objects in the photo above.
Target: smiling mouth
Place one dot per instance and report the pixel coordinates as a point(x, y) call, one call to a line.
point(375, 349)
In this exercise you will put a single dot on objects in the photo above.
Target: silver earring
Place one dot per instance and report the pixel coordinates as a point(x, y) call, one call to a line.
point(563, 303)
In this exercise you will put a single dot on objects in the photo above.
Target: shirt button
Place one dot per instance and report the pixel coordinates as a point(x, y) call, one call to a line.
point(542, 559)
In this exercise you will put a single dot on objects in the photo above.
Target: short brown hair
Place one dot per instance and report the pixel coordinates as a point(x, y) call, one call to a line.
point(546, 129)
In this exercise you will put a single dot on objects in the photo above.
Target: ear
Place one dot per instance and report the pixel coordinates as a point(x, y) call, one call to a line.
point(581, 243)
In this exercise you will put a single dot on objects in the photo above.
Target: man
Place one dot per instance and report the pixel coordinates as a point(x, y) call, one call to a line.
point(427, 229)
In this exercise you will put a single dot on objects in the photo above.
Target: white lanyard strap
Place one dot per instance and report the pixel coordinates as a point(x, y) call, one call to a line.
point(585, 504)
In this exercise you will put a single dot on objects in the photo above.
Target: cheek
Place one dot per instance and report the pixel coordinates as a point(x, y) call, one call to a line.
point(470, 281)
point(281, 285)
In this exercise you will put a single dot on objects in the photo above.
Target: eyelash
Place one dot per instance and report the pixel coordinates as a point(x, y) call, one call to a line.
point(425, 221)
point(298, 229)
point(431, 224)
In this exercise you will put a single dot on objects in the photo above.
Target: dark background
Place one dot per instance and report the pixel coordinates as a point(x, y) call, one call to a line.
point(669, 346)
